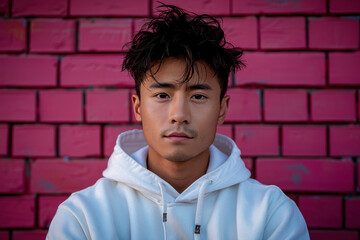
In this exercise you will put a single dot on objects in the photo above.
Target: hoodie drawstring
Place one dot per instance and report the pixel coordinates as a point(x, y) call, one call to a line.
point(198, 213)
point(199, 208)
point(164, 210)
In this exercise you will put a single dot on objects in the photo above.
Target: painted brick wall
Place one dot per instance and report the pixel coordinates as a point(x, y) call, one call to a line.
point(294, 112)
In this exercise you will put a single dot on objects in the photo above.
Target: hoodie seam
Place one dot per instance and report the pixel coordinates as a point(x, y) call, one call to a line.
point(278, 206)
point(66, 208)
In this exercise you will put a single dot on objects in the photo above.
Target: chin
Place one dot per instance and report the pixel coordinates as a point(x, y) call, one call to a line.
point(177, 157)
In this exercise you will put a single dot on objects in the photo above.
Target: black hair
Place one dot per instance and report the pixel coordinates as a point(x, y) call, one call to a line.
point(176, 33)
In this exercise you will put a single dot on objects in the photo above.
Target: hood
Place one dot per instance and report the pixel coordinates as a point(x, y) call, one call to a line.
point(124, 169)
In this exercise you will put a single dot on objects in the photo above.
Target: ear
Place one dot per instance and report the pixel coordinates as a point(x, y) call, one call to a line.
point(136, 106)
point(224, 105)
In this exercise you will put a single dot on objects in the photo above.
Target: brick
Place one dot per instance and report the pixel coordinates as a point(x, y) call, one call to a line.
point(304, 140)
point(285, 105)
point(214, 7)
point(12, 176)
point(47, 208)
point(248, 163)
point(279, 7)
point(110, 136)
point(50, 8)
point(352, 213)
point(36, 71)
point(310, 175)
point(107, 106)
point(17, 212)
point(33, 141)
point(283, 69)
point(333, 33)
point(244, 105)
point(344, 6)
point(104, 35)
point(52, 36)
point(255, 140)
point(80, 141)
point(138, 24)
point(4, 139)
point(225, 130)
point(29, 235)
point(241, 32)
point(94, 70)
point(344, 68)
point(282, 33)
point(59, 176)
point(17, 106)
point(344, 141)
point(4, 235)
point(332, 235)
point(12, 35)
point(333, 105)
point(60, 106)
point(4, 10)
point(322, 212)
point(137, 8)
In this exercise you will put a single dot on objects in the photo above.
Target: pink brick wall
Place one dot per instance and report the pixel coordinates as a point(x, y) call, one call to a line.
point(294, 110)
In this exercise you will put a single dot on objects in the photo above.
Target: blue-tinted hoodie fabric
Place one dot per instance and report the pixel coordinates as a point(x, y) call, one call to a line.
point(131, 202)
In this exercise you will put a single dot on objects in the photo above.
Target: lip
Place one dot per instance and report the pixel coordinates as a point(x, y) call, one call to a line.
point(178, 137)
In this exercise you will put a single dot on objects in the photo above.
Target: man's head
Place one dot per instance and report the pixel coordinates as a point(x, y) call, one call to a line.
point(175, 33)
point(181, 69)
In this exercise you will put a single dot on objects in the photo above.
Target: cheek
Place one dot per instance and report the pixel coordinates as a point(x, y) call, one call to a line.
point(207, 116)
point(207, 122)
point(151, 112)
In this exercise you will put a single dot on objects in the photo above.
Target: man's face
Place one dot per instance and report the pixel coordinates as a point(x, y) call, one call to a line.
point(179, 119)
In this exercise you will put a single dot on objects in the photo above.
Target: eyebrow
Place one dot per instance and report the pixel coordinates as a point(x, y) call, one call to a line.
point(162, 85)
point(200, 86)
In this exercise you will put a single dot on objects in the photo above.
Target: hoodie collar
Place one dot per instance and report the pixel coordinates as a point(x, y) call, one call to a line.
point(217, 158)
point(124, 169)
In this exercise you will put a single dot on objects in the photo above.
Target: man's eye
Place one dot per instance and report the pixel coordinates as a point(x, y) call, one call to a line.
point(199, 97)
point(162, 96)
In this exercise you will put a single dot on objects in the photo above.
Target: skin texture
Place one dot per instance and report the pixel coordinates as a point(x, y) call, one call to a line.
point(179, 120)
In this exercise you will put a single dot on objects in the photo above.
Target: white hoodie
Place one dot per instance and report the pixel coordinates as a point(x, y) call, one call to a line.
point(131, 202)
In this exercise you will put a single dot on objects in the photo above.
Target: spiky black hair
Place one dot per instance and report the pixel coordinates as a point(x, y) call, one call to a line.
point(177, 33)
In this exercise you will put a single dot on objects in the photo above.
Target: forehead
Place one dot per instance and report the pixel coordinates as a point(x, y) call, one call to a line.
point(175, 71)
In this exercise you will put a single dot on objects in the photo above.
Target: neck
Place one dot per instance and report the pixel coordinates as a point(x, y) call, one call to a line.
point(180, 175)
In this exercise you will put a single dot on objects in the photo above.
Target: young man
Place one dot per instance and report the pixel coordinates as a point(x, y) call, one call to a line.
point(177, 179)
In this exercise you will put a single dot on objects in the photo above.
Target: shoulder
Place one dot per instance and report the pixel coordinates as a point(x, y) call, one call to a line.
point(269, 199)
point(86, 210)
point(257, 190)
point(281, 217)
point(98, 192)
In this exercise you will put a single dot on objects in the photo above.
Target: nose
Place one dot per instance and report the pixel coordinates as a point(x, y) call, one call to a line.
point(179, 110)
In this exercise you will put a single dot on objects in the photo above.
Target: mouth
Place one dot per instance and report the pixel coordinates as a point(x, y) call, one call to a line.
point(178, 136)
